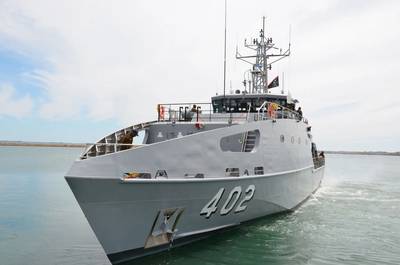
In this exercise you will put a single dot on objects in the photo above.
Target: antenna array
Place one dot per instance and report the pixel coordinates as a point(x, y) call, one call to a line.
point(264, 48)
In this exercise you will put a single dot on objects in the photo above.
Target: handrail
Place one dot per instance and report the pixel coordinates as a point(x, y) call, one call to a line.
point(244, 141)
point(110, 143)
point(92, 144)
point(184, 112)
point(88, 146)
point(186, 103)
point(282, 109)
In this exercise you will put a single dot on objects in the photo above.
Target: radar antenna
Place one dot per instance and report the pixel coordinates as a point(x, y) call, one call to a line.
point(264, 51)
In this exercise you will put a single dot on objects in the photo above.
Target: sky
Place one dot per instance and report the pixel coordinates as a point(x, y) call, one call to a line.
point(73, 71)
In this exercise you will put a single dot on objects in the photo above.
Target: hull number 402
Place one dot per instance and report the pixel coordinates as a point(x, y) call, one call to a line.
point(232, 201)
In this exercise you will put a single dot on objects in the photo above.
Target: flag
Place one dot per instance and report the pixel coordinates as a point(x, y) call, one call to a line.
point(274, 82)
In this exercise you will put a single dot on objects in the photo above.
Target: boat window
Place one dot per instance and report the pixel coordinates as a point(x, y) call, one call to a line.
point(232, 172)
point(240, 142)
point(292, 139)
point(282, 138)
point(259, 171)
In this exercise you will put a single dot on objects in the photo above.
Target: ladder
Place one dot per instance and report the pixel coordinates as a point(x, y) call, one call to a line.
point(249, 141)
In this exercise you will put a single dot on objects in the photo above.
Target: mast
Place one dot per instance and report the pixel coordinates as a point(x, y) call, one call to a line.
point(225, 51)
point(264, 48)
point(265, 74)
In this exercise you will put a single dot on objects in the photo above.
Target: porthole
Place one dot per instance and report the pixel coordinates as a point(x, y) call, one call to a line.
point(282, 138)
point(292, 139)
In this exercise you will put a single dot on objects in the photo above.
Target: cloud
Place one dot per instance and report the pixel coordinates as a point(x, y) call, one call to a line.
point(13, 106)
point(114, 61)
point(117, 60)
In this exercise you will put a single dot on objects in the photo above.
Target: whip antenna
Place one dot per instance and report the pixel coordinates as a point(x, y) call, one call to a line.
point(225, 52)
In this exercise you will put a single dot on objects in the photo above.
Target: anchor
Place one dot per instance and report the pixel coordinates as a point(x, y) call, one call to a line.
point(164, 228)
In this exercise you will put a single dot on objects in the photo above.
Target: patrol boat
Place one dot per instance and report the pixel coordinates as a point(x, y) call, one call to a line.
point(200, 167)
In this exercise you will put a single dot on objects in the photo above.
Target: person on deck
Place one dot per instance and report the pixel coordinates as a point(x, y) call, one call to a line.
point(189, 115)
point(127, 139)
point(300, 112)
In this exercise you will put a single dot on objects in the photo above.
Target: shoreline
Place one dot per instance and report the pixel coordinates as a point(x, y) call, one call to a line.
point(40, 144)
point(374, 153)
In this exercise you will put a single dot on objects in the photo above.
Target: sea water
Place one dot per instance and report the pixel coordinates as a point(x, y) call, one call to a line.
point(354, 218)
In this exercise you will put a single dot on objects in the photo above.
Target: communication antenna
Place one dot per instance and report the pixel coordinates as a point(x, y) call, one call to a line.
point(266, 54)
point(225, 51)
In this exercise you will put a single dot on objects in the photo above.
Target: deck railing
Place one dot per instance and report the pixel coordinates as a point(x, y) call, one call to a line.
point(196, 112)
point(113, 143)
point(271, 110)
point(203, 112)
point(96, 149)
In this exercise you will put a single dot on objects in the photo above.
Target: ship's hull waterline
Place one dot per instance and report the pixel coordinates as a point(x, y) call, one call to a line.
point(129, 223)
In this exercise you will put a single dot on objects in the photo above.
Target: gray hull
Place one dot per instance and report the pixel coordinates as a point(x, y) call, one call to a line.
point(127, 216)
